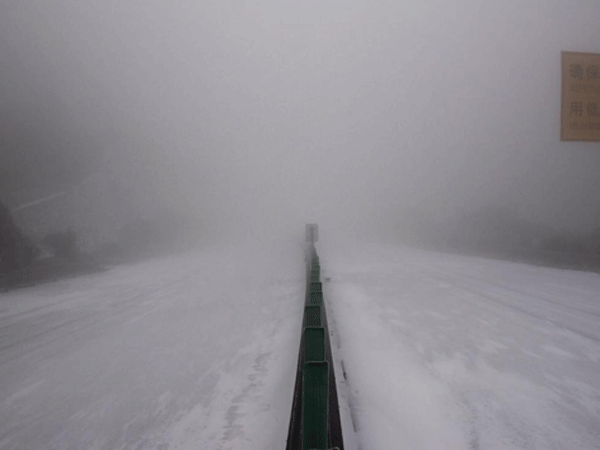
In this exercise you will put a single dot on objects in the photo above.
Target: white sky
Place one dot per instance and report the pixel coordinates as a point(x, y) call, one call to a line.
point(315, 110)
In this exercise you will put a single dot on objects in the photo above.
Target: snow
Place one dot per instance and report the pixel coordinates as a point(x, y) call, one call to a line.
point(447, 351)
point(199, 351)
point(183, 352)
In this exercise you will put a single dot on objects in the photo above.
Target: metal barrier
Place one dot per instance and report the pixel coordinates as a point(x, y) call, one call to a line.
point(314, 344)
point(315, 298)
point(312, 316)
point(316, 287)
point(314, 405)
point(315, 418)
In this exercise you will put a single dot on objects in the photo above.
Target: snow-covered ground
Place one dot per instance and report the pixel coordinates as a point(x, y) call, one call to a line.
point(454, 352)
point(199, 352)
point(186, 352)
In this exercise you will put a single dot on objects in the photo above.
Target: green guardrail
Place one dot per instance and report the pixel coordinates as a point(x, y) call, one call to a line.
point(315, 298)
point(315, 421)
point(315, 400)
point(312, 316)
point(315, 287)
point(314, 344)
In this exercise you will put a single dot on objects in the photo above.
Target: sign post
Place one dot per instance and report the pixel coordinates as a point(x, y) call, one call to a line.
point(580, 109)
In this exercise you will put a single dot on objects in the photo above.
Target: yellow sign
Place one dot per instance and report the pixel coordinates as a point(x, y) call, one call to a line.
point(580, 111)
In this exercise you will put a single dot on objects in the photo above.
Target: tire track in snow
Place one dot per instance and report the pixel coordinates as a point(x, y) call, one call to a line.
point(232, 428)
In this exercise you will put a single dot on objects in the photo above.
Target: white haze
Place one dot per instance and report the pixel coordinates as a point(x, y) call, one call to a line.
point(338, 112)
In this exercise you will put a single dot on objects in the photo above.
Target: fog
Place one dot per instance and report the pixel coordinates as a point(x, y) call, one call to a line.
point(351, 113)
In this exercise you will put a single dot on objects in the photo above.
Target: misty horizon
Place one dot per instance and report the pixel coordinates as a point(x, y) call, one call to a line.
point(339, 113)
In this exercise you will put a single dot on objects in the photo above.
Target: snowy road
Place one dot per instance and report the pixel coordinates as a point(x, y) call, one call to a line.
point(187, 352)
point(453, 352)
point(199, 352)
